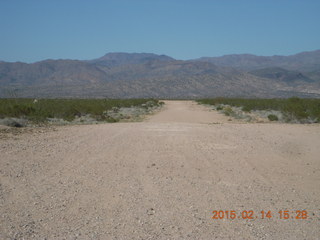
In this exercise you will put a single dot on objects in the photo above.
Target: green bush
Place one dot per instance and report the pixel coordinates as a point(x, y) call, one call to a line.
point(227, 111)
point(22, 110)
point(67, 109)
point(272, 117)
point(246, 109)
point(112, 120)
point(293, 108)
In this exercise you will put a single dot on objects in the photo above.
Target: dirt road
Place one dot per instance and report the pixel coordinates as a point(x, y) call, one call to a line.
point(162, 179)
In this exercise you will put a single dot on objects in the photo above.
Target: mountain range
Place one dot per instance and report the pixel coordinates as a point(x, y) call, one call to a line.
point(135, 75)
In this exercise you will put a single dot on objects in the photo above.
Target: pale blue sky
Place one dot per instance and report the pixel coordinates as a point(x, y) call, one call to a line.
point(34, 30)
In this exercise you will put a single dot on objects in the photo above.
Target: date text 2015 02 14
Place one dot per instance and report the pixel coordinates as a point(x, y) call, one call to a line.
point(250, 214)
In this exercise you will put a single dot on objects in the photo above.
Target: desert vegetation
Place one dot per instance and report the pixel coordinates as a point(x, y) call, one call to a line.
point(42, 110)
point(293, 109)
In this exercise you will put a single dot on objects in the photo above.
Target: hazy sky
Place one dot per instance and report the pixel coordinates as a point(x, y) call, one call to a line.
point(33, 30)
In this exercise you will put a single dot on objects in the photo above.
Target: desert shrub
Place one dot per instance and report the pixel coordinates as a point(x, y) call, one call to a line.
point(67, 109)
point(219, 108)
point(22, 110)
point(273, 117)
point(112, 120)
point(296, 107)
point(246, 109)
point(293, 108)
point(227, 111)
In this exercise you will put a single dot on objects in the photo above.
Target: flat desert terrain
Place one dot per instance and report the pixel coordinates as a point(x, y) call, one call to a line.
point(167, 177)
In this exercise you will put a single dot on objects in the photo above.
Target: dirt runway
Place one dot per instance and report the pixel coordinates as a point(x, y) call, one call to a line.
point(162, 179)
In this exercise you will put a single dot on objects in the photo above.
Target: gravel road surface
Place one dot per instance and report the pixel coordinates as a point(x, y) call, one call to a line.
point(162, 178)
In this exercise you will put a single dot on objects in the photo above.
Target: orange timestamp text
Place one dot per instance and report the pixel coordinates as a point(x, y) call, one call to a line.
point(250, 214)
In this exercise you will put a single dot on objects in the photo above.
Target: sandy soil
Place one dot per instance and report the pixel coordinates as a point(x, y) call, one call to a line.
point(161, 179)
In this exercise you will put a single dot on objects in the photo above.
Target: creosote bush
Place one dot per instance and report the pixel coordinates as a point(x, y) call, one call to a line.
point(293, 108)
point(227, 111)
point(272, 117)
point(67, 109)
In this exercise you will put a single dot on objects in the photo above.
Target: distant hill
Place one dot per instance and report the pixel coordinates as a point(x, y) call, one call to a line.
point(128, 75)
point(117, 59)
point(50, 72)
point(282, 75)
point(305, 61)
